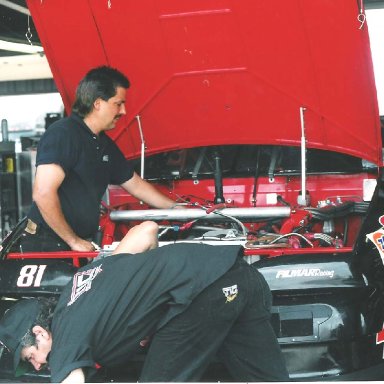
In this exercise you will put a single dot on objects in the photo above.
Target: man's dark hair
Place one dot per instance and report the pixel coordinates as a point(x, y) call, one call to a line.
point(100, 82)
point(44, 319)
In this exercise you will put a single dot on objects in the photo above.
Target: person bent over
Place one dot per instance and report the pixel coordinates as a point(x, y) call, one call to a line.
point(193, 301)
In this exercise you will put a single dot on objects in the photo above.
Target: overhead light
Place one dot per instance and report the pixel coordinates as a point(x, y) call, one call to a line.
point(18, 47)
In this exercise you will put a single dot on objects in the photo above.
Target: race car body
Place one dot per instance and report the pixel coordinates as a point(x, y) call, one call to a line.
point(260, 119)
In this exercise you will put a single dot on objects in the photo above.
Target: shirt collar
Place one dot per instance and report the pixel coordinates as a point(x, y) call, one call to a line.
point(84, 126)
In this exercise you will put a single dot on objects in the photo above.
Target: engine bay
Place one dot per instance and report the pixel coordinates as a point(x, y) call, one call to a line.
point(251, 195)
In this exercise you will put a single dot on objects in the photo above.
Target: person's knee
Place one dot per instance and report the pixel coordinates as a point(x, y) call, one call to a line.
point(149, 227)
point(149, 230)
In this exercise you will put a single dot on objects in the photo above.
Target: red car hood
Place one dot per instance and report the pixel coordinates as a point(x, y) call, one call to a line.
point(223, 72)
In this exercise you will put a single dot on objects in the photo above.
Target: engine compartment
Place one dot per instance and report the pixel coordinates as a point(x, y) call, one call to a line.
point(251, 195)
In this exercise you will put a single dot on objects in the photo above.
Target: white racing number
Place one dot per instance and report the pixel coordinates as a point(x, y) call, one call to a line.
point(31, 275)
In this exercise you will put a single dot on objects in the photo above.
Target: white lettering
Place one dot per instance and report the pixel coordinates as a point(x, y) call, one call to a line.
point(303, 272)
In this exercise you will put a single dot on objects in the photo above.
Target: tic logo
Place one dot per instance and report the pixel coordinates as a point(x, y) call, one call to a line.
point(230, 293)
point(377, 238)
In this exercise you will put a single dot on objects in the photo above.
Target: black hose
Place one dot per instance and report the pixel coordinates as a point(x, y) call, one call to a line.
point(335, 211)
point(219, 195)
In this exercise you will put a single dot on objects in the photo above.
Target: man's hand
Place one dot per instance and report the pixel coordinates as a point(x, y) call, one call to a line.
point(81, 245)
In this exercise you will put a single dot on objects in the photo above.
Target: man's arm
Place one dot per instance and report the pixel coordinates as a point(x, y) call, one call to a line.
point(146, 192)
point(76, 376)
point(45, 194)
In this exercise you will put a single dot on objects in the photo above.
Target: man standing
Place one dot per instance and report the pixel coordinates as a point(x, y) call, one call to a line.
point(75, 162)
point(192, 301)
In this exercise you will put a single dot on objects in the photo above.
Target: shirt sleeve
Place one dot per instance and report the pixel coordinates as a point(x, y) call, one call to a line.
point(57, 146)
point(68, 357)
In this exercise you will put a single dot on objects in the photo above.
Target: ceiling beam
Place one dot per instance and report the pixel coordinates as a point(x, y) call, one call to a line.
point(19, 47)
point(15, 7)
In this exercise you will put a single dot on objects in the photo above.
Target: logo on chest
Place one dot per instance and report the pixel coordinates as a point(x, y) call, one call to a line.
point(82, 282)
point(230, 293)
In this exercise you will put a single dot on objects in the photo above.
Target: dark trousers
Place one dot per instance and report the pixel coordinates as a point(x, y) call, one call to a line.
point(236, 328)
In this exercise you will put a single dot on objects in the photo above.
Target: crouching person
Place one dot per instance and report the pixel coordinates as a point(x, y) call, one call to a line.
point(193, 301)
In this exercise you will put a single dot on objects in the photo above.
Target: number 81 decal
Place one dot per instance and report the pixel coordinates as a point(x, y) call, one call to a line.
point(31, 275)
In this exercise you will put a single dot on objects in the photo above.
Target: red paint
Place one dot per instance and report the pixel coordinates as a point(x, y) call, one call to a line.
point(223, 72)
point(380, 337)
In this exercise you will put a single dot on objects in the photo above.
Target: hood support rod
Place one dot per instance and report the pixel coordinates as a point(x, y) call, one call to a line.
point(301, 200)
point(142, 151)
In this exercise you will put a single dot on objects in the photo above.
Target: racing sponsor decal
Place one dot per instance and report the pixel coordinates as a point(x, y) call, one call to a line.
point(230, 293)
point(304, 272)
point(82, 282)
point(377, 238)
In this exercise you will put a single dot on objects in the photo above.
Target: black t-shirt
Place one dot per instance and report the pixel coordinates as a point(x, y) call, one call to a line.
point(90, 163)
point(113, 304)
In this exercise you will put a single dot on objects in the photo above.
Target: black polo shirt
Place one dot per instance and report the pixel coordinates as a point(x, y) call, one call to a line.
point(113, 304)
point(90, 163)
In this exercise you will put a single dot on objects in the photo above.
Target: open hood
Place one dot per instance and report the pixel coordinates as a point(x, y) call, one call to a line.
point(223, 72)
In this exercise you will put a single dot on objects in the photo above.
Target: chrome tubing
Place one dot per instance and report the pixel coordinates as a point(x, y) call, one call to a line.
point(249, 214)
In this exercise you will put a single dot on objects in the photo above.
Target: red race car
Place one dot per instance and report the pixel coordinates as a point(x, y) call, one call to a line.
point(260, 119)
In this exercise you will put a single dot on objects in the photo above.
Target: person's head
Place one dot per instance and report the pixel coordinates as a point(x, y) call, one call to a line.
point(25, 331)
point(102, 87)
